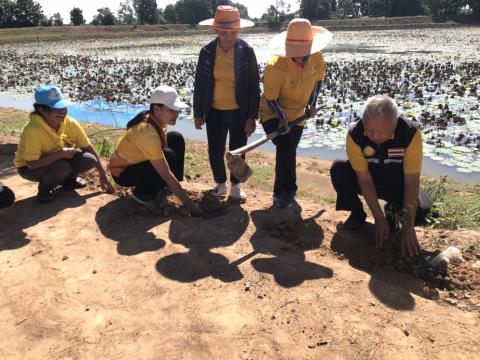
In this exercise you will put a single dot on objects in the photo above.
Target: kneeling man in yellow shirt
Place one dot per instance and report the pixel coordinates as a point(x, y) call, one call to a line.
point(384, 162)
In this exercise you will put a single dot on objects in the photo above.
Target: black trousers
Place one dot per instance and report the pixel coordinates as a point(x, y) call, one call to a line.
point(219, 124)
point(345, 183)
point(285, 157)
point(145, 178)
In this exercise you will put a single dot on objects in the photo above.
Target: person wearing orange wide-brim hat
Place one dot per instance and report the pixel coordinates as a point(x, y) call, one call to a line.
point(292, 81)
point(226, 93)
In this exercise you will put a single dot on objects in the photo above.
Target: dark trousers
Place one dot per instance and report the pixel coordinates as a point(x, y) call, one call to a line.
point(219, 124)
point(145, 178)
point(61, 170)
point(345, 182)
point(285, 157)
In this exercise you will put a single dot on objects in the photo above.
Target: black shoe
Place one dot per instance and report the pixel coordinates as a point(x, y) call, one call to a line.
point(75, 183)
point(140, 197)
point(355, 222)
point(45, 195)
point(286, 199)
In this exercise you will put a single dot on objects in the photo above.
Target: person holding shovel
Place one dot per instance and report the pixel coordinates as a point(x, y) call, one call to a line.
point(147, 157)
point(384, 162)
point(292, 80)
point(226, 93)
point(54, 149)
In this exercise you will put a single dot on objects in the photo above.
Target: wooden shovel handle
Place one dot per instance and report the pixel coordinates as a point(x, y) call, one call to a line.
point(264, 139)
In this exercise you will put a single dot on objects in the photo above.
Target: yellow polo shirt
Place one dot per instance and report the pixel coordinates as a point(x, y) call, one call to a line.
point(39, 138)
point(139, 143)
point(290, 85)
point(412, 160)
point(224, 75)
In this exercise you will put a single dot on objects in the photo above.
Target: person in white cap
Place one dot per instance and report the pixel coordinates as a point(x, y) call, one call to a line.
point(226, 93)
point(292, 80)
point(54, 149)
point(147, 157)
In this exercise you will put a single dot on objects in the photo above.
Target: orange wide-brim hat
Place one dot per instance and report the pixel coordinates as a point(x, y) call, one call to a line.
point(300, 39)
point(227, 18)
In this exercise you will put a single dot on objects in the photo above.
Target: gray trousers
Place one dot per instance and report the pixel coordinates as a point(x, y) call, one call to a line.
point(56, 173)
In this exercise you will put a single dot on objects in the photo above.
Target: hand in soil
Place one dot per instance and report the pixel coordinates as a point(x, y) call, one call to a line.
point(409, 242)
point(382, 230)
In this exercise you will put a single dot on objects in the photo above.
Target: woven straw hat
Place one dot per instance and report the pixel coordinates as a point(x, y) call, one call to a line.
point(300, 39)
point(227, 18)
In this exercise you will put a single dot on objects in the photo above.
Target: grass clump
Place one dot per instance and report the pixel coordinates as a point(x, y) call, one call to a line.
point(455, 205)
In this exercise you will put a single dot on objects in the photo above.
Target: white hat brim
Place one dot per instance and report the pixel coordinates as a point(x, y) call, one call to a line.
point(178, 105)
point(321, 38)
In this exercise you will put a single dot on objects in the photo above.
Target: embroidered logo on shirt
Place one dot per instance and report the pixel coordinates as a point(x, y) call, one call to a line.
point(313, 70)
point(368, 151)
point(396, 152)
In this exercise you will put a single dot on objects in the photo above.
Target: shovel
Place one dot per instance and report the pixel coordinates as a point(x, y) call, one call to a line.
point(237, 165)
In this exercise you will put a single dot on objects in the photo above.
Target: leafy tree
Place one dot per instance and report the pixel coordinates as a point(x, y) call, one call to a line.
point(126, 14)
point(169, 14)
point(6, 13)
point(104, 16)
point(475, 6)
point(242, 9)
point(46, 21)
point(315, 9)
point(26, 13)
point(76, 16)
point(404, 8)
point(192, 11)
point(348, 8)
point(146, 11)
point(57, 20)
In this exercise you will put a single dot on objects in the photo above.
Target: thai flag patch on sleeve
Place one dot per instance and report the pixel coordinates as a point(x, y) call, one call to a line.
point(396, 152)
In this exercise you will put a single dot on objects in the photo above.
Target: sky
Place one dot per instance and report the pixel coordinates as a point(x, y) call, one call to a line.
point(255, 7)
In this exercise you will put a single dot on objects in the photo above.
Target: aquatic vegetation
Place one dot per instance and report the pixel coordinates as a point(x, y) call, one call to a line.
point(433, 74)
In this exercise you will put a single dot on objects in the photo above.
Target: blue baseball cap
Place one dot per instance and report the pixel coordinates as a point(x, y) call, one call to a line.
point(51, 96)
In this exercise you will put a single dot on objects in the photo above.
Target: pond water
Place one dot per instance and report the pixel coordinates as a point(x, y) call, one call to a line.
point(432, 73)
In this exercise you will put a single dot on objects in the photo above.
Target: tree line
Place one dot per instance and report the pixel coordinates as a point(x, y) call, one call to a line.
point(28, 13)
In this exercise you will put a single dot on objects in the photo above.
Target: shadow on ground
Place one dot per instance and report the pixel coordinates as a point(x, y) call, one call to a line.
point(200, 236)
point(285, 237)
point(26, 213)
point(122, 220)
point(392, 288)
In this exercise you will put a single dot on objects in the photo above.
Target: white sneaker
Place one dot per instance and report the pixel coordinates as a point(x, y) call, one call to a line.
point(237, 193)
point(220, 189)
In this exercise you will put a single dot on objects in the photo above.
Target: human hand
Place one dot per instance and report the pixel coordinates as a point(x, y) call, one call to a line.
point(199, 121)
point(106, 184)
point(382, 230)
point(311, 111)
point(283, 127)
point(68, 153)
point(409, 242)
point(249, 127)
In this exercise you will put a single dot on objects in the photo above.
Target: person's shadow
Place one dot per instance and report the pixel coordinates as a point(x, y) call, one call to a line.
point(200, 236)
point(285, 236)
point(123, 221)
point(392, 288)
point(26, 213)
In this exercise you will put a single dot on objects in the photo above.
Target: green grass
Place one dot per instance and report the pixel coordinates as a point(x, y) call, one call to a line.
point(455, 205)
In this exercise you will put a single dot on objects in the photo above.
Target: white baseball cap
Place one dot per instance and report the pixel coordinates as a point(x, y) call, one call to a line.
point(167, 96)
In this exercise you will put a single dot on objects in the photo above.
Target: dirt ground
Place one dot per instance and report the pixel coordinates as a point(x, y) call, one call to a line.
point(95, 276)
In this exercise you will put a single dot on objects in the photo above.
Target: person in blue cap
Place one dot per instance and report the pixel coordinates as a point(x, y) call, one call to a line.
point(54, 148)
